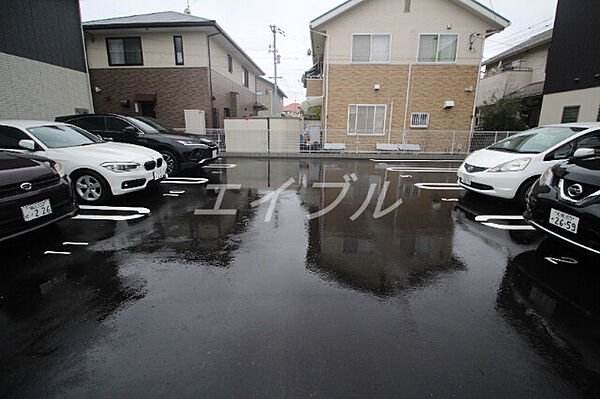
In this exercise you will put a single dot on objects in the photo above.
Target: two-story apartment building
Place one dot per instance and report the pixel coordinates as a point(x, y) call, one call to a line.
point(163, 63)
point(264, 97)
point(42, 60)
point(518, 72)
point(388, 68)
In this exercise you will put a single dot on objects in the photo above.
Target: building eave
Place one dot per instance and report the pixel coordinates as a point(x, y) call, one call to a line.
point(480, 9)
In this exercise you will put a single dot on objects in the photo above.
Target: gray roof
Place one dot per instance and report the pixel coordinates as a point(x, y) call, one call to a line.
point(533, 41)
point(148, 19)
point(281, 93)
point(531, 90)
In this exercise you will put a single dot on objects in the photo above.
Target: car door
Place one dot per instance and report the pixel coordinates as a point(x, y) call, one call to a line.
point(10, 137)
point(565, 151)
point(115, 128)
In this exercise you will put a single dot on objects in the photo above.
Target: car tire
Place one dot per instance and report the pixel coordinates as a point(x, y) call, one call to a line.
point(171, 161)
point(90, 187)
point(521, 196)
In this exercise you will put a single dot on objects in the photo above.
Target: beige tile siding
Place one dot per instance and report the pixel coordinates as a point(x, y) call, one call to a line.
point(431, 85)
point(314, 87)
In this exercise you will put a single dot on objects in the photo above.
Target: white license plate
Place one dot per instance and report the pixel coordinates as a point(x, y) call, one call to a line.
point(36, 210)
point(564, 220)
point(465, 179)
point(158, 174)
point(215, 153)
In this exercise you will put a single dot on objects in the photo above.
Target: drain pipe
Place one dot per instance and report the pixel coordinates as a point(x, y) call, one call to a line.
point(210, 86)
point(391, 119)
point(326, 85)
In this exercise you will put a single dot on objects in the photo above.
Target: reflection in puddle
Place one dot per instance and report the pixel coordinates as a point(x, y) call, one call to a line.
point(550, 295)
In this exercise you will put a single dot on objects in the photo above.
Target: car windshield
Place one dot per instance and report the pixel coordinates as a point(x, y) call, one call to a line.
point(536, 140)
point(59, 136)
point(150, 125)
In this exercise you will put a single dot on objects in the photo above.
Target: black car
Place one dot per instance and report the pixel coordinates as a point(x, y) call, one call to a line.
point(34, 192)
point(565, 201)
point(178, 149)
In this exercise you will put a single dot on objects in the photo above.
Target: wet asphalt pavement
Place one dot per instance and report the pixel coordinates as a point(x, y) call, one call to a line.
point(425, 301)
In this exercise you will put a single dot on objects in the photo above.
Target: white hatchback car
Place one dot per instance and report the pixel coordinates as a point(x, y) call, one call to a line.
point(509, 168)
point(98, 169)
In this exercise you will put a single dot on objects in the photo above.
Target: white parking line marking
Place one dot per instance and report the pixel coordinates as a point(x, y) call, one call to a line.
point(416, 160)
point(508, 226)
point(202, 179)
point(439, 186)
point(177, 191)
point(115, 208)
point(405, 175)
point(485, 218)
point(450, 199)
point(421, 170)
point(220, 166)
point(185, 180)
point(108, 217)
point(170, 195)
point(75, 243)
point(56, 253)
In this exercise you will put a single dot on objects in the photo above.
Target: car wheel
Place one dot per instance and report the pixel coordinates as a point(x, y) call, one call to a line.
point(90, 187)
point(171, 161)
point(523, 191)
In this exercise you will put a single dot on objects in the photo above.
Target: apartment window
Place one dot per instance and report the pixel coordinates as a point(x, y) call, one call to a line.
point(570, 114)
point(371, 48)
point(230, 63)
point(124, 51)
point(366, 119)
point(419, 120)
point(245, 82)
point(437, 47)
point(178, 44)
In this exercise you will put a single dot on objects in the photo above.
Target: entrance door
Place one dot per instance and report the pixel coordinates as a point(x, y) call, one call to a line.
point(148, 108)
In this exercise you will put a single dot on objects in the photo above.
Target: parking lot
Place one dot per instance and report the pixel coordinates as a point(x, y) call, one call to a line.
point(445, 295)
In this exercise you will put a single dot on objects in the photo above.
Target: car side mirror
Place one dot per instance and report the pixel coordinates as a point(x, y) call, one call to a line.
point(27, 144)
point(130, 130)
point(583, 152)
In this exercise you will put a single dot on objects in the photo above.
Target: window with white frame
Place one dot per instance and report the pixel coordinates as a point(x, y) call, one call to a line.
point(245, 80)
point(371, 48)
point(419, 119)
point(437, 47)
point(366, 119)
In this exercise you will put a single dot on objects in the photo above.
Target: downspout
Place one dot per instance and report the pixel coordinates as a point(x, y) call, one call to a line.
point(391, 119)
point(210, 86)
point(87, 68)
point(326, 85)
point(406, 103)
point(476, 92)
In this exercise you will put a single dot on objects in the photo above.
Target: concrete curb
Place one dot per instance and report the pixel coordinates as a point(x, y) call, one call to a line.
point(320, 155)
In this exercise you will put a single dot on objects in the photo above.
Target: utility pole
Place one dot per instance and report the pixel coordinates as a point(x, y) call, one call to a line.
point(276, 60)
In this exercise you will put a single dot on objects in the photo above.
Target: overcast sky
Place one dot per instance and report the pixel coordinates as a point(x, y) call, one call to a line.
point(247, 22)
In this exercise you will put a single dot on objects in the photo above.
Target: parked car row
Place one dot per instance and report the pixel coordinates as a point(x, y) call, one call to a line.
point(552, 170)
point(47, 168)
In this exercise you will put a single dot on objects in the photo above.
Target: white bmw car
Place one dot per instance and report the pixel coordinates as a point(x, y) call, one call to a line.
point(509, 168)
point(98, 169)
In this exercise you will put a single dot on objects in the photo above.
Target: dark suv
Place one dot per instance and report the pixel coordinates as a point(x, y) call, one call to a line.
point(34, 192)
point(178, 149)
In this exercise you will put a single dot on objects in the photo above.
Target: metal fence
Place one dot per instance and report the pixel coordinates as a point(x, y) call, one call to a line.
point(339, 141)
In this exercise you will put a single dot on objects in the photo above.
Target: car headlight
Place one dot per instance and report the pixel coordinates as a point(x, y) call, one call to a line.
point(190, 142)
point(60, 169)
point(546, 178)
point(121, 166)
point(515, 165)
